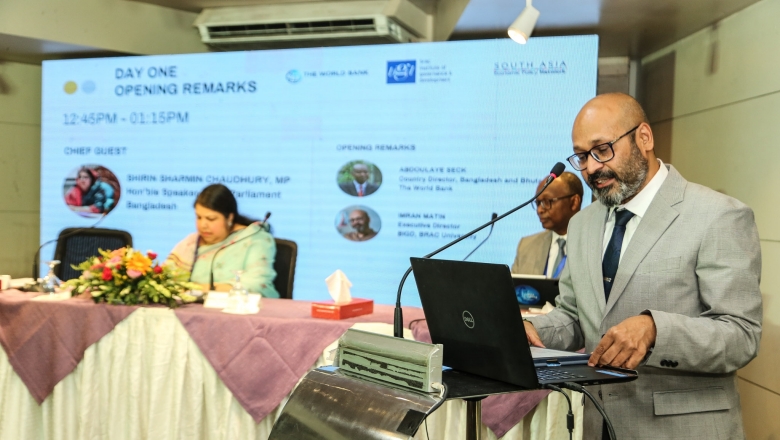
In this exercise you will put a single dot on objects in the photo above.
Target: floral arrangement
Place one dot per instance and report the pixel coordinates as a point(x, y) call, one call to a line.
point(127, 276)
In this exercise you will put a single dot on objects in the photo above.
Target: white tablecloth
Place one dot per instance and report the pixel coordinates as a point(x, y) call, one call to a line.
point(147, 379)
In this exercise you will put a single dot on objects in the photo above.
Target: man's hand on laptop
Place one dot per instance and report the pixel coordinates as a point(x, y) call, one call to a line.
point(626, 344)
point(533, 336)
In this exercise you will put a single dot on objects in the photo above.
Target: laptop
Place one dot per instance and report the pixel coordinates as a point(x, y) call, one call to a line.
point(534, 290)
point(471, 309)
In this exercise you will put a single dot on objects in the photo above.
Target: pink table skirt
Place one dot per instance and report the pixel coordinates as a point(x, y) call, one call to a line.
point(260, 358)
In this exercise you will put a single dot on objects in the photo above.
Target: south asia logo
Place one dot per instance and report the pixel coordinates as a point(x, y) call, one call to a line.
point(399, 72)
point(529, 68)
point(294, 76)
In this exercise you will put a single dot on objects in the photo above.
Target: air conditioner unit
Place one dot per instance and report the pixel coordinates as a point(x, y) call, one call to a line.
point(314, 24)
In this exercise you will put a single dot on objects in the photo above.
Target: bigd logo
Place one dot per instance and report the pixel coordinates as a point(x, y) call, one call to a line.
point(399, 72)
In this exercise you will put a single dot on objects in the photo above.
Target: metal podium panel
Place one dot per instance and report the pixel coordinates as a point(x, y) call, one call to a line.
point(329, 405)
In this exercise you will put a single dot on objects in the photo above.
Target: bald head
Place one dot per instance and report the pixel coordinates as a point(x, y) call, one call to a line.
point(359, 220)
point(616, 123)
point(573, 183)
point(559, 202)
point(613, 110)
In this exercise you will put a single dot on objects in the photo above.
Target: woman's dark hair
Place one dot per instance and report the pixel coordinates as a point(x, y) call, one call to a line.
point(218, 197)
point(89, 173)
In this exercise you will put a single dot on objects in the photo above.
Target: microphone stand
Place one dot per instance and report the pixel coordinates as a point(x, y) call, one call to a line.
point(493, 217)
point(398, 319)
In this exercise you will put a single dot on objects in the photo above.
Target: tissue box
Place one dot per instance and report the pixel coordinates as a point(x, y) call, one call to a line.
point(329, 310)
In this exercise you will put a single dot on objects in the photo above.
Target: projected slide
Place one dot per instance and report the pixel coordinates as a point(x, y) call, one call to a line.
point(365, 156)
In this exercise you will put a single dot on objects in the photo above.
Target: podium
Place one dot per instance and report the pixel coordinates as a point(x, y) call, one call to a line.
point(360, 400)
point(331, 405)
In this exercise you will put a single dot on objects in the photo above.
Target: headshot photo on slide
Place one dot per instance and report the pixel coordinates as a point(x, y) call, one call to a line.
point(91, 190)
point(358, 223)
point(359, 178)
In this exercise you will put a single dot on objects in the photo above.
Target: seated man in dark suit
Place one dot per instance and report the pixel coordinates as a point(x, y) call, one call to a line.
point(360, 186)
point(545, 253)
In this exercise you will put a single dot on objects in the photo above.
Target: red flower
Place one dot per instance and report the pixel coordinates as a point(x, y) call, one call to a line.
point(157, 269)
point(151, 255)
point(107, 274)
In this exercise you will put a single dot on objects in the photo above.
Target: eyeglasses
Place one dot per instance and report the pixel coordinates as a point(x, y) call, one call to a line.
point(601, 153)
point(547, 204)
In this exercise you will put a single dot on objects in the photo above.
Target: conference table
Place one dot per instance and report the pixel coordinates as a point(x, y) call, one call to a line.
point(73, 369)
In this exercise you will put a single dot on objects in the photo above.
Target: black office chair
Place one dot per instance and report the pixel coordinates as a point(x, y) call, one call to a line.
point(284, 265)
point(77, 248)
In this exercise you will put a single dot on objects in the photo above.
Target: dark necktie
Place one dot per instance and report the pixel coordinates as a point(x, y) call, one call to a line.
point(557, 268)
point(609, 265)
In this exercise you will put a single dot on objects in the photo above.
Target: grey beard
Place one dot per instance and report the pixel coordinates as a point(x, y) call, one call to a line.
point(634, 175)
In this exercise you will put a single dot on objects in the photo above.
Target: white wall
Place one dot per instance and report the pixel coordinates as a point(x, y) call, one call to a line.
point(724, 135)
point(20, 162)
point(106, 25)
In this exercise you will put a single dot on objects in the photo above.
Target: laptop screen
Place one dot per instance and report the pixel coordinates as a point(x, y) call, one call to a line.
point(471, 309)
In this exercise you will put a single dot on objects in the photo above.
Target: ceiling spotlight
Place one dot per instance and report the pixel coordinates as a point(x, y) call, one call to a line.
point(521, 29)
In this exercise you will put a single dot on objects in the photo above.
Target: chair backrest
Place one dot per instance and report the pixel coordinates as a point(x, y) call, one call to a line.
point(284, 265)
point(75, 249)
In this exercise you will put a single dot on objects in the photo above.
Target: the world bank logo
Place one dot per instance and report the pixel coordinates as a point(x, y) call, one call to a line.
point(527, 295)
point(399, 72)
point(294, 76)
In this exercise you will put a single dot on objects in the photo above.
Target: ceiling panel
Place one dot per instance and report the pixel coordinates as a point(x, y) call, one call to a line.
point(632, 28)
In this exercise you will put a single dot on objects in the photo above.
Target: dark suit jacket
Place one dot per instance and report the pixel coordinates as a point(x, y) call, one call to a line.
point(349, 188)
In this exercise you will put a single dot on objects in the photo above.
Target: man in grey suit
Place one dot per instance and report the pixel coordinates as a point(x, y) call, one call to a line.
point(544, 253)
point(663, 277)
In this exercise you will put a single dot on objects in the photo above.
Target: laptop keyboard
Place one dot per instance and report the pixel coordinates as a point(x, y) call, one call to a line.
point(555, 374)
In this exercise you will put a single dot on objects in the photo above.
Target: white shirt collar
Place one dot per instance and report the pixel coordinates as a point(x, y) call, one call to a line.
point(358, 186)
point(641, 202)
point(556, 236)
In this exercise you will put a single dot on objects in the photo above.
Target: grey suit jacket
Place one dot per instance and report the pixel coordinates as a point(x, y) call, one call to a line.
point(532, 253)
point(694, 263)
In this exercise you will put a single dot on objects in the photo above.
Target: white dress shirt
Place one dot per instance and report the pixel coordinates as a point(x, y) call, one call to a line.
point(638, 205)
point(553, 254)
point(359, 186)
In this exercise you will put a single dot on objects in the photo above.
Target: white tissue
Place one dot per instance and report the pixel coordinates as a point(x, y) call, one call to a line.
point(338, 287)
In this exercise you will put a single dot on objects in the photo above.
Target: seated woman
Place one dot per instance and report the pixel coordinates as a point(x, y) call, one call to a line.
point(90, 194)
point(244, 244)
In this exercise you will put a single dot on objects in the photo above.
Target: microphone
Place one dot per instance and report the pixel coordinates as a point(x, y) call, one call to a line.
point(36, 262)
point(211, 269)
point(264, 222)
point(493, 217)
point(556, 171)
point(398, 321)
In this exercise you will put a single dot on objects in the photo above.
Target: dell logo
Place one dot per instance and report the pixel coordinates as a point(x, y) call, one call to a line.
point(468, 319)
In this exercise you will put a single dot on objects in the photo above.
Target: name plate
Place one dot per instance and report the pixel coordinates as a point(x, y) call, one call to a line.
point(217, 300)
point(250, 307)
